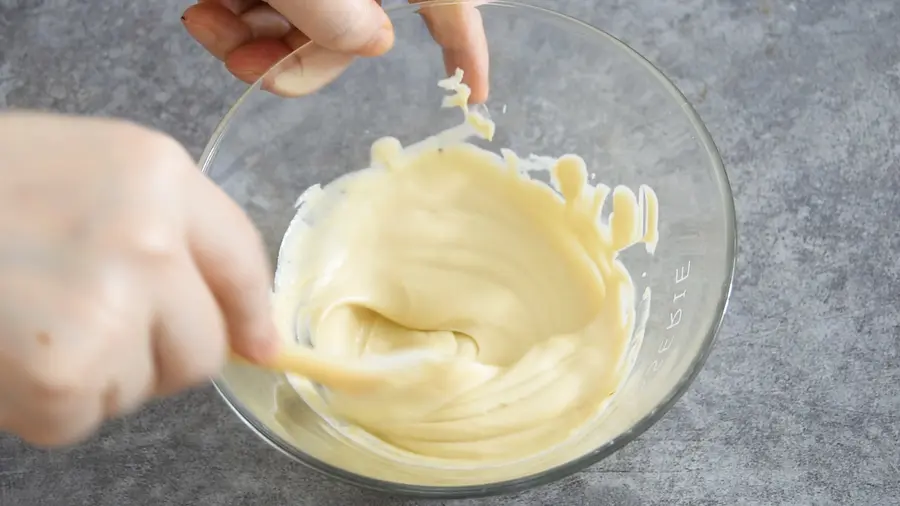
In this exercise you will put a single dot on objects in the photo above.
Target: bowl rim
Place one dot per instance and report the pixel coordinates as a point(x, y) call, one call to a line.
point(600, 453)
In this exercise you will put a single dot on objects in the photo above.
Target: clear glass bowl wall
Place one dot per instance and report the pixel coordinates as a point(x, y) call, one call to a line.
point(557, 86)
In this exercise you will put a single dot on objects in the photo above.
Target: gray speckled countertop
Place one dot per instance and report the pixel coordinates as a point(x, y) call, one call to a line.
point(799, 402)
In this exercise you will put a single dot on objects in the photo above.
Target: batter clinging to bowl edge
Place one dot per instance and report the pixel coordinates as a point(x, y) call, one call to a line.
point(445, 247)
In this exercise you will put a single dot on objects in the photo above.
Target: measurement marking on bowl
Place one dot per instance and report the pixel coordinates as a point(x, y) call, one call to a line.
point(675, 313)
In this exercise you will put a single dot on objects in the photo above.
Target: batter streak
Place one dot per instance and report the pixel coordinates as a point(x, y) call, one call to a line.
point(452, 250)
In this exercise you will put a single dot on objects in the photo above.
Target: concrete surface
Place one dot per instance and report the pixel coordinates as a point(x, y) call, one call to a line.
point(799, 403)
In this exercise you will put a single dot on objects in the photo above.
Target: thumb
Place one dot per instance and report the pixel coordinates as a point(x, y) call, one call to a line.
point(352, 26)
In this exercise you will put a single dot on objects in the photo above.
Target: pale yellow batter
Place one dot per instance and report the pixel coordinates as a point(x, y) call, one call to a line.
point(450, 249)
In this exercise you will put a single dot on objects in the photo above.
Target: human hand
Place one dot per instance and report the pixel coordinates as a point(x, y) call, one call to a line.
point(251, 36)
point(124, 274)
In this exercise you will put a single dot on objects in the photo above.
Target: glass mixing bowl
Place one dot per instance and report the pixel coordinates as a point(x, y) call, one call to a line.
point(557, 86)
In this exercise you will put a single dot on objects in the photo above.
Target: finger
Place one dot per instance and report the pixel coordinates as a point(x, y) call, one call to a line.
point(230, 256)
point(287, 73)
point(6, 409)
point(50, 412)
point(459, 30)
point(218, 29)
point(306, 71)
point(266, 22)
point(250, 61)
point(69, 421)
point(296, 74)
point(133, 380)
point(353, 26)
point(296, 39)
point(54, 401)
point(79, 347)
point(132, 375)
point(189, 339)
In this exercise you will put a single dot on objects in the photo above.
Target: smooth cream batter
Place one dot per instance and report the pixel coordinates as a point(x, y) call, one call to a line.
point(448, 249)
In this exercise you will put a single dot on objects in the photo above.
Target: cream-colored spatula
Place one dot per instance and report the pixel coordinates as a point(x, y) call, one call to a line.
point(399, 386)
point(351, 376)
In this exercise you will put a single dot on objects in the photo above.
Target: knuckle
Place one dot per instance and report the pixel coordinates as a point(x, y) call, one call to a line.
point(145, 203)
point(163, 159)
point(52, 380)
point(68, 364)
point(155, 244)
point(156, 233)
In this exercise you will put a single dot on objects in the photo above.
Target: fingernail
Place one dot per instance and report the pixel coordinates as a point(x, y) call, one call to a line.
point(381, 42)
